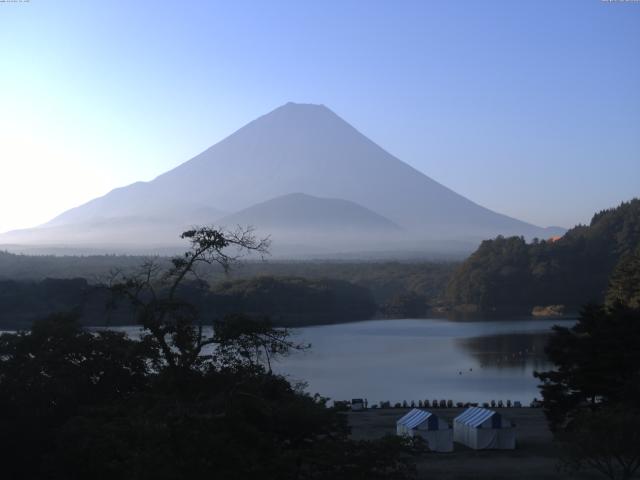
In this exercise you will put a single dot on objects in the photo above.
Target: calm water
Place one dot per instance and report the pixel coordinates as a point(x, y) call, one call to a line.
point(399, 360)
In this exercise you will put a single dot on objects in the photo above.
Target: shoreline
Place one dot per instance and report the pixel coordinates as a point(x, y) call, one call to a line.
point(12, 326)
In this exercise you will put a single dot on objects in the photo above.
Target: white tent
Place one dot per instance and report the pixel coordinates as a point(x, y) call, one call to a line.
point(435, 431)
point(481, 429)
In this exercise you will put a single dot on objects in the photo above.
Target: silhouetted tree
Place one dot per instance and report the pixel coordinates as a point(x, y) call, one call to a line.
point(592, 396)
point(157, 294)
point(54, 373)
point(250, 342)
point(606, 440)
point(597, 363)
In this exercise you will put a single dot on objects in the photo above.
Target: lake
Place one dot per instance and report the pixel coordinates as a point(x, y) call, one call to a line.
point(396, 360)
point(418, 359)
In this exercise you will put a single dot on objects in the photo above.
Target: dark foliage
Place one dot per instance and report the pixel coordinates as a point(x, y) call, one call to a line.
point(384, 280)
point(508, 273)
point(54, 373)
point(606, 440)
point(76, 405)
point(597, 363)
point(287, 300)
point(592, 397)
point(624, 285)
point(22, 302)
point(295, 301)
point(406, 304)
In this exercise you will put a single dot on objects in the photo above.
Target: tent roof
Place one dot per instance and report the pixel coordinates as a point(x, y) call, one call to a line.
point(474, 416)
point(407, 415)
point(414, 418)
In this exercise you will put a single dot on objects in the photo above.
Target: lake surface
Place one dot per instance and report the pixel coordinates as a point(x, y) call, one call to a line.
point(398, 360)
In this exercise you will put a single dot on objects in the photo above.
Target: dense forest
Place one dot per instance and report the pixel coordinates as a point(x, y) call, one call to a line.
point(289, 301)
point(292, 293)
point(293, 301)
point(23, 302)
point(511, 274)
point(385, 279)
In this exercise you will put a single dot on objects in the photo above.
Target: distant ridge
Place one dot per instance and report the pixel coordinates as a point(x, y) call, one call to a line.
point(305, 212)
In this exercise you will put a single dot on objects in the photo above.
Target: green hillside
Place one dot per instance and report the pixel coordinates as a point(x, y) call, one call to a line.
point(511, 274)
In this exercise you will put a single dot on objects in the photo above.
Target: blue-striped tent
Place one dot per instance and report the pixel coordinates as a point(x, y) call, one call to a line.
point(481, 428)
point(434, 430)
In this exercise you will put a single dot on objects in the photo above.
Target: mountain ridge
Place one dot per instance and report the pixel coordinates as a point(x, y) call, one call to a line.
point(309, 149)
point(301, 209)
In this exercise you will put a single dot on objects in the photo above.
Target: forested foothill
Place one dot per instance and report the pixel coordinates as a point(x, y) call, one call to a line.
point(512, 275)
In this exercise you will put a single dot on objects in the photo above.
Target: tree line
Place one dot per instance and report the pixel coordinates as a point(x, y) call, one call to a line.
point(289, 301)
point(511, 274)
point(384, 279)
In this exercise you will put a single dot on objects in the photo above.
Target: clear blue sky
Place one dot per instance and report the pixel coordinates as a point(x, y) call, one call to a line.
point(531, 108)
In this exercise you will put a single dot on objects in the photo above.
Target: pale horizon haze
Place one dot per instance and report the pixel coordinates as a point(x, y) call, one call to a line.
point(531, 109)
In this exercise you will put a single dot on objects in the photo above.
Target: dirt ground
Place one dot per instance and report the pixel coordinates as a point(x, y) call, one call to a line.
point(535, 456)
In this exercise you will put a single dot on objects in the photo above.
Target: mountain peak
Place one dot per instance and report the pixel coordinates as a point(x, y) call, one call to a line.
point(303, 106)
point(306, 148)
point(295, 111)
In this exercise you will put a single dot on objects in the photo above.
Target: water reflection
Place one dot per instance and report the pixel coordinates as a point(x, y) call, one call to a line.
point(523, 351)
point(398, 360)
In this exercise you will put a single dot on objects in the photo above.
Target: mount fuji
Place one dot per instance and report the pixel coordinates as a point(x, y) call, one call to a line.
point(300, 173)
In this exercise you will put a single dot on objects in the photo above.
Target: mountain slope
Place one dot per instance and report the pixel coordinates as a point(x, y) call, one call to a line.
point(301, 224)
point(110, 232)
point(298, 211)
point(304, 148)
